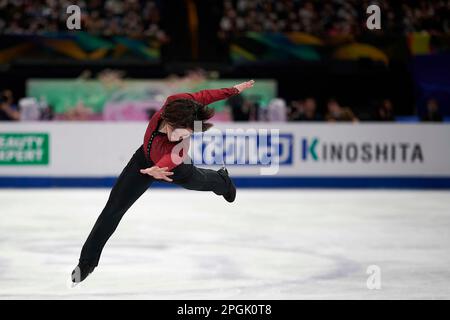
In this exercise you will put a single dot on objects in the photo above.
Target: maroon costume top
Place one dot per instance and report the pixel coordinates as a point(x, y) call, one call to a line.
point(161, 147)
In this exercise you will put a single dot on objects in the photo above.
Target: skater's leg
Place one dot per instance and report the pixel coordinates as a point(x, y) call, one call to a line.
point(130, 185)
point(190, 177)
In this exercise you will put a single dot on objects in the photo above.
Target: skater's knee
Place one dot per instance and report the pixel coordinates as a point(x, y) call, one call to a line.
point(182, 173)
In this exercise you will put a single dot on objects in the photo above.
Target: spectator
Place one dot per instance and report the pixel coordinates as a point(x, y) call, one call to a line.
point(385, 111)
point(29, 109)
point(240, 109)
point(47, 113)
point(310, 111)
point(277, 110)
point(433, 114)
point(297, 109)
point(8, 111)
point(337, 113)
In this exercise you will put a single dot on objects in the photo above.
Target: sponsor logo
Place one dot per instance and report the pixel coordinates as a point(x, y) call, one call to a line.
point(312, 149)
point(242, 147)
point(24, 149)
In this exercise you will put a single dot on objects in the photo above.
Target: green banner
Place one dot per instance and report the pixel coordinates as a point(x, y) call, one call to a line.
point(130, 99)
point(24, 148)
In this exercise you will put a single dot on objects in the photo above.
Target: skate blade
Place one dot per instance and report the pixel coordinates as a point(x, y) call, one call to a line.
point(69, 282)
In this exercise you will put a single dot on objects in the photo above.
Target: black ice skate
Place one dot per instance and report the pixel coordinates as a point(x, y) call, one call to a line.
point(81, 272)
point(231, 194)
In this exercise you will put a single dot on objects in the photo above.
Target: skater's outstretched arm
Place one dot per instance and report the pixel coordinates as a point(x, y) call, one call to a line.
point(206, 97)
point(173, 156)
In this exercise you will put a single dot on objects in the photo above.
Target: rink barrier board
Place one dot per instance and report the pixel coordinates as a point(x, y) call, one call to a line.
point(368, 155)
point(244, 182)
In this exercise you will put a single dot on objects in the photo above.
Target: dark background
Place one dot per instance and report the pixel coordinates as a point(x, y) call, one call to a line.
point(359, 84)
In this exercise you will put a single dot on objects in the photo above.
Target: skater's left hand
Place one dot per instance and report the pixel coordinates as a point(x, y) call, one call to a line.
point(244, 85)
point(158, 173)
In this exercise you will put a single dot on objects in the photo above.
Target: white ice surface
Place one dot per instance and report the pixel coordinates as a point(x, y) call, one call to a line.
point(269, 244)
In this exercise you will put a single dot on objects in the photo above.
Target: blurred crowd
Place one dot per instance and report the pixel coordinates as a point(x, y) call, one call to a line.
point(333, 17)
point(23, 110)
point(142, 17)
point(238, 107)
point(105, 17)
point(307, 110)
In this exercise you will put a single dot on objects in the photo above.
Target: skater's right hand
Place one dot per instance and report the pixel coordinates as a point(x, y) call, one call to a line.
point(158, 173)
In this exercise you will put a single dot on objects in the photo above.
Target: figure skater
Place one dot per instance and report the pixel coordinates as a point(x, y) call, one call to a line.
point(161, 157)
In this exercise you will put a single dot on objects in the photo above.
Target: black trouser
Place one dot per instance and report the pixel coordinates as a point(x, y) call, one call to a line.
point(130, 185)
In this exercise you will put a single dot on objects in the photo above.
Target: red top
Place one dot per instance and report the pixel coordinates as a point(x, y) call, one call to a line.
point(161, 150)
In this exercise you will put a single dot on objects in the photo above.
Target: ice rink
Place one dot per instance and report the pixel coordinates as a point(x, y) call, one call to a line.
point(269, 244)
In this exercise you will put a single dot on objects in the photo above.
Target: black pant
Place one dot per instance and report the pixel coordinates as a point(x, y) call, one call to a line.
point(130, 185)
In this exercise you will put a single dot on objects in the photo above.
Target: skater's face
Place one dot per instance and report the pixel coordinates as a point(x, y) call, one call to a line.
point(178, 134)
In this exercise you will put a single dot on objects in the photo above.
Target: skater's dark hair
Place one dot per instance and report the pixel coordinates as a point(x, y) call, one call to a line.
point(182, 113)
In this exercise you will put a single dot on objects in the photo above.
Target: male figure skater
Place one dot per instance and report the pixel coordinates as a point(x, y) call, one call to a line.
point(161, 157)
